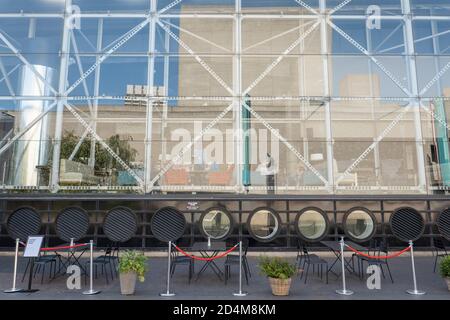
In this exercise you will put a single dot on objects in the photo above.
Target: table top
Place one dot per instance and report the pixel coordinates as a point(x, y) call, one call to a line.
point(215, 246)
point(336, 246)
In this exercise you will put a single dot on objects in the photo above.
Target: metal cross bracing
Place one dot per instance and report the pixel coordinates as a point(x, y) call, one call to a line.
point(115, 45)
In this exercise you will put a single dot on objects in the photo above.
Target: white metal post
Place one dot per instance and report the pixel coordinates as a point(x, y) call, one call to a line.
point(240, 293)
point(16, 257)
point(91, 290)
point(344, 290)
point(410, 51)
point(326, 93)
point(238, 99)
point(63, 73)
point(169, 263)
point(414, 291)
point(96, 91)
point(150, 97)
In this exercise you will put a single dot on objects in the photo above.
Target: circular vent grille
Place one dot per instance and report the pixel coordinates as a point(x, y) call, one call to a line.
point(71, 223)
point(22, 223)
point(168, 224)
point(120, 224)
point(443, 223)
point(407, 224)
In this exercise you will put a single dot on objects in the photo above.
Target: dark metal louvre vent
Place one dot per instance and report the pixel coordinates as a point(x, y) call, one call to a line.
point(443, 223)
point(168, 224)
point(72, 222)
point(407, 224)
point(120, 224)
point(22, 223)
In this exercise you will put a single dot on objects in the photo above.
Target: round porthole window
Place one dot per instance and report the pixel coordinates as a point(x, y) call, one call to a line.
point(216, 223)
point(312, 224)
point(264, 224)
point(359, 224)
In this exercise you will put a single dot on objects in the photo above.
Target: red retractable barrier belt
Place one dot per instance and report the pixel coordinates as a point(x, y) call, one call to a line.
point(206, 259)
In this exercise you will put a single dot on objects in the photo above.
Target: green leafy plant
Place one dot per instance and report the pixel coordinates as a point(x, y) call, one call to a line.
point(103, 160)
point(133, 261)
point(445, 267)
point(276, 268)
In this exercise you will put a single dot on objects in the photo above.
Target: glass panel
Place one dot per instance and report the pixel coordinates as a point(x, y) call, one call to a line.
point(216, 224)
point(284, 7)
point(113, 6)
point(264, 224)
point(360, 76)
point(432, 81)
point(390, 164)
point(432, 37)
point(312, 224)
point(363, 7)
point(359, 224)
point(33, 6)
point(430, 7)
point(195, 6)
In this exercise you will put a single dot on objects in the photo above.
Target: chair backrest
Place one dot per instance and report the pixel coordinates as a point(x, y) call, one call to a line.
point(439, 244)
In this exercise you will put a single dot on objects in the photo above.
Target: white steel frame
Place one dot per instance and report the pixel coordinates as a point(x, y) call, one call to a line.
point(321, 18)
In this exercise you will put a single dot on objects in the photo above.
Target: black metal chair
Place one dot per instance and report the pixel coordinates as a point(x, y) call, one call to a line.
point(315, 261)
point(301, 253)
point(371, 250)
point(233, 259)
point(439, 251)
point(176, 259)
point(103, 261)
point(382, 249)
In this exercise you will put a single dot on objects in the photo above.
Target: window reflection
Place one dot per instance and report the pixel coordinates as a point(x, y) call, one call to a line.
point(264, 224)
point(359, 224)
point(312, 224)
point(216, 224)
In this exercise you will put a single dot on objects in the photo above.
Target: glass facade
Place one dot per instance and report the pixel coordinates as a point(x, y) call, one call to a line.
point(230, 96)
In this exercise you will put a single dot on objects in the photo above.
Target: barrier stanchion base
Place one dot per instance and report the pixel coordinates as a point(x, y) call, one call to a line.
point(13, 290)
point(91, 292)
point(240, 294)
point(345, 292)
point(167, 294)
point(416, 292)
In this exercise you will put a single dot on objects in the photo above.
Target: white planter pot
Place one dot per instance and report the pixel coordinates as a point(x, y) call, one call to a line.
point(448, 283)
point(128, 283)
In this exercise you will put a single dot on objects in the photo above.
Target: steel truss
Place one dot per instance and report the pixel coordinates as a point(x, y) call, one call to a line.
point(322, 17)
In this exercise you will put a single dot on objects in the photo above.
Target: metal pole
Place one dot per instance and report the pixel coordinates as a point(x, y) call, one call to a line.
point(169, 262)
point(414, 291)
point(344, 290)
point(91, 290)
point(240, 293)
point(16, 256)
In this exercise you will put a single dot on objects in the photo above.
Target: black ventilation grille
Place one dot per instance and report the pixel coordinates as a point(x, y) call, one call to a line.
point(443, 223)
point(22, 223)
point(407, 224)
point(168, 224)
point(120, 224)
point(71, 223)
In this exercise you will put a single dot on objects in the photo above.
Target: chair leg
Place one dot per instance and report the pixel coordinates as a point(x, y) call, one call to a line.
point(246, 275)
point(306, 274)
point(26, 269)
point(43, 272)
point(389, 271)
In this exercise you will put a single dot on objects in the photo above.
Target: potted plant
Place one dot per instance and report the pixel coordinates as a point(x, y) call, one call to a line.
point(280, 274)
point(132, 266)
point(445, 270)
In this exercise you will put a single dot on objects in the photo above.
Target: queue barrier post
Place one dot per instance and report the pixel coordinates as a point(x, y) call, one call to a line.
point(414, 291)
point(91, 290)
point(169, 262)
point(16, 257)
point(240, 293)
point(344, 290)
